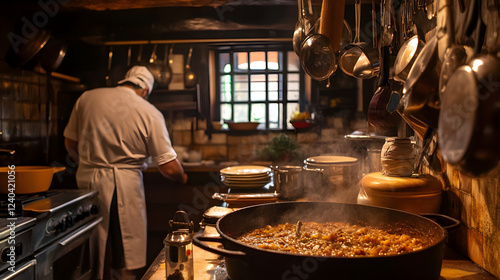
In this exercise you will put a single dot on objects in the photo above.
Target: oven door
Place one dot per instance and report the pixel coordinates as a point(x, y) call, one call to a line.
point(25, 271)
point(68, 258)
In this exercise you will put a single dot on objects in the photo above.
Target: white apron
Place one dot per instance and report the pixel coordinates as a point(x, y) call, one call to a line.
point(127, 180)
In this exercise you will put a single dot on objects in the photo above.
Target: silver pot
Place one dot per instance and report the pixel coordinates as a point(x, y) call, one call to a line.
point(337, 181)
point(288, 181)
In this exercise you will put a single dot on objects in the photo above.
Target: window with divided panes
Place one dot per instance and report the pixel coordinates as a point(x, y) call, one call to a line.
point(262, 85)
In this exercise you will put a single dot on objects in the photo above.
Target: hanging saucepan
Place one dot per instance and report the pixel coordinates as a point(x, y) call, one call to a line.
point(166, 71)
point(453, 55)
point(189, 75)
point(318, 51)
point(51, 56)
point(406, 56)
point(24, 51)
point(378, 114)
point(468, 123)
point(419, 105)
point(359, 59)
point(251, 262)
point(155, 66)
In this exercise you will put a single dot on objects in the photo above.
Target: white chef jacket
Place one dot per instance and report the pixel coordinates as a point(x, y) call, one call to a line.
point(116, 130)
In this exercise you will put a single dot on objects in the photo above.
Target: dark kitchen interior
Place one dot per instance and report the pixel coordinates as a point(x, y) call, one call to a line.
point(104, 38)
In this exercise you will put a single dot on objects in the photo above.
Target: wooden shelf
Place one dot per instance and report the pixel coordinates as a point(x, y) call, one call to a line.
point(176, 106)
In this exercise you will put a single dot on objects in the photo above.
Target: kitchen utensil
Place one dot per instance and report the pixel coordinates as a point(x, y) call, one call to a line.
point(414, 195)
point(406, 57)
point(21, 53)
point(301, 28)
point(166, 71)
point(155, 67)
point(378, 115)
point(249, 262)
point(387, 28)
point(179, 247)
point(490, 12)
point(108, 69)
point(419, 105)
point(454, 55)
point(331, 178)
point(346, 36)
point(359, 59)
point(27, 179)
point(468, 127)
point(51, 56)
point(288, 181)
point(351, 55)
point(318, 50)
point(189, 75)
point(129, 55)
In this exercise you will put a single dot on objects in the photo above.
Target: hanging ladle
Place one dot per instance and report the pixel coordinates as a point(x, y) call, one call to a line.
point(318, 50)
point(353, 52)
point(302, 25)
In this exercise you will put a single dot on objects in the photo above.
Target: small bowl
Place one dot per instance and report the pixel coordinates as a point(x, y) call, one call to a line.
point(216, 125)
point(302, 124)
point(243, 125)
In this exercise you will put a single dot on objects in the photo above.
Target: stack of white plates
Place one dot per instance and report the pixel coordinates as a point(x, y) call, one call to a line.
point(246, 176)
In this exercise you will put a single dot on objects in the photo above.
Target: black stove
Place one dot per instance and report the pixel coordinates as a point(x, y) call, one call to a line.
point(52, 232)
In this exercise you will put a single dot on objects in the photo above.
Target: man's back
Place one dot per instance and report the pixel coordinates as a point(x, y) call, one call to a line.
point(115, 126)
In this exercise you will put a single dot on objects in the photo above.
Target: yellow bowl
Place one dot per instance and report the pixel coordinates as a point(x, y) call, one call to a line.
point(26, 179)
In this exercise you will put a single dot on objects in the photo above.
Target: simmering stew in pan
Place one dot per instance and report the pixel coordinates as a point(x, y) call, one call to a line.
point(331, 239)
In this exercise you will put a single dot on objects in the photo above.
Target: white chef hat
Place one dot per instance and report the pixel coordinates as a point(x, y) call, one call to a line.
point(139, 75)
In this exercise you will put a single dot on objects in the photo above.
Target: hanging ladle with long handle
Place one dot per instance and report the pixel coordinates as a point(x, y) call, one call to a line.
point(318, 54)
point(299, 34)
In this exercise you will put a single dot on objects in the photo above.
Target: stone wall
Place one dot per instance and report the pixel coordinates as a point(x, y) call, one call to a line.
point(476, 203)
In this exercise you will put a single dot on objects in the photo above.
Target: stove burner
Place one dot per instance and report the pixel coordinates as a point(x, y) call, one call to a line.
point(22, 200)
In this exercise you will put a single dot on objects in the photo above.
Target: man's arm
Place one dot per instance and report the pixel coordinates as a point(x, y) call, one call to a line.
point(173, 170)
point(72, 148)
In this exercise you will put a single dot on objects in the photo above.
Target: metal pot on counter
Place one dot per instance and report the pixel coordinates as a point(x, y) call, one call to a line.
point(288, 181)
point(337, 181)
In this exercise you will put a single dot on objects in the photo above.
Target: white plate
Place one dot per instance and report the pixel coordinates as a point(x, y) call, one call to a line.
point(245, 170)
point(245, 186)
point(245, 178)
point(245, 182)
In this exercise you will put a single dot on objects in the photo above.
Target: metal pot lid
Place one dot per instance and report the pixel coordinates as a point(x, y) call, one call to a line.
point(287, 168)
point(458, 117)
point(331, 160)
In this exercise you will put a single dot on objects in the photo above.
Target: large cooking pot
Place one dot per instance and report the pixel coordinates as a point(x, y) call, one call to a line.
point(249, 262)
point(27, 179)
point(331, 178)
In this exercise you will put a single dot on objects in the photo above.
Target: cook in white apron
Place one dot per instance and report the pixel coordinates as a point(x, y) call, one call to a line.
point(114, 130)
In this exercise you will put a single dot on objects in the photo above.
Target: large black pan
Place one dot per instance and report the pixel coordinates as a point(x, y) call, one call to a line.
point(248, 262)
